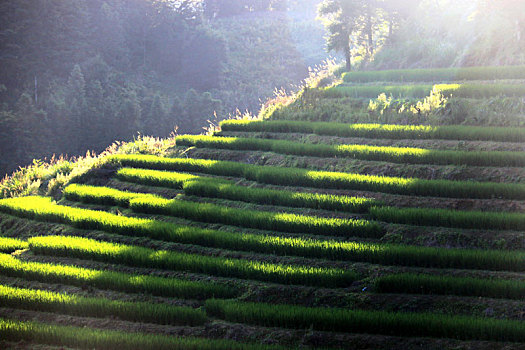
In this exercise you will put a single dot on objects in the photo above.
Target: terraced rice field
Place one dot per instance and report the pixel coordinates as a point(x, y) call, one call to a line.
point(257, 238)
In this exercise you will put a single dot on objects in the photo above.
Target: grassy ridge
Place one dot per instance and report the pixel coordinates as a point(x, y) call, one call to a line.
point(217, 266)
point(421, 91)
point(46, 301)
point(374, 322)
point(284, 222)
point(447, 285)
point(86, 338)
point(450, 218)
point(217, 188)
point(9, 245)
point(123, 282)
point(387, 131)
point(331, 180)
point(437, 74)
point(386, 154)
point(109, 196)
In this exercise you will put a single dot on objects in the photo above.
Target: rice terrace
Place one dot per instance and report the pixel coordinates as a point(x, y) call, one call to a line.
point(372, 208)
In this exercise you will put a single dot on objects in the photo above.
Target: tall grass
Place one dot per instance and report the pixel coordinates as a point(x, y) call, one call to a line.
point(386, 154)
point(86, 338)
point(448, 285)
point(152, 177)
point(101, 195)
point(217, 266)
point(46, 301)
point(450, 218)
point(437, 74)
point(387, 131)
point(332, 180)
point(110, 280)
point(421, 91)
point(218, 188)
point(9, 245)
point(373, 322)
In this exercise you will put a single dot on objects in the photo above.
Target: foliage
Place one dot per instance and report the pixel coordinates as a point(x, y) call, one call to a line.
point(448, 285)
point(218, 266)
point(361, 321)
point(9, 245)
point(110, 280)
point(46, 301)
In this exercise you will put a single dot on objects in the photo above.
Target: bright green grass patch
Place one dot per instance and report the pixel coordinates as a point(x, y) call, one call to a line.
point(386, 131)
point(9, 245)
point(152, 177)
point(437, 74)
point(86, 338)
point(450, 218)
point(372, 322)
point(333, 180)
point(218, 188)
point(110, 280)
point(218, 266)
point(386, 154)
point(421, 91)
point(46, 301)
point(448, 285)
point(284, 222)
point(107, 196)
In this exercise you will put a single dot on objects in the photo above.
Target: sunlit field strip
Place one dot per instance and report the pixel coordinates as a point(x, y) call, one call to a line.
point(448, 285)
point(468, 90)
point(385, 131)
point(372, 322)
point(437, 74)
point(110, 280)
point(9, 245)
point(86, 338)
point(374, 153)
point(330, 180)
point(387, 254)
point(218, 188)
point(450, 218)
point(46, 301)
point(206, 212)
point(224, 267)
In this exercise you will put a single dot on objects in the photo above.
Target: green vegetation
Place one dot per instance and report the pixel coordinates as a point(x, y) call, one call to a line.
point(375, 322)
point(386, 154)
point(123, 282)
point(448, 285)
point(450, 218)
point(47, 301)
point(218, 188)
point(9, 245)
point(284, 222)
point(86, 338)
point(218, 266)
point(101, 195)
point(389, 131)
point(334, 180)
point(437, 74)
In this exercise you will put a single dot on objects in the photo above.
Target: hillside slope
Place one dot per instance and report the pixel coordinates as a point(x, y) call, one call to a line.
point(293, 232)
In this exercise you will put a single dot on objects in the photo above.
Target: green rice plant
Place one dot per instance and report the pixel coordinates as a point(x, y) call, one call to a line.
point(110, 280)
point(436, 74)
point(387, 154)
point(333, 180)
point(372, 322)
point(329, 249)
point(218, 188)
point(9, 245)
point(155, 178)
point(387, 131)
point(450, 218)
point(87, 338)
point(101, 195)
point(284, 222)
point(217, 266)
point(46, 301)
point(448, 285)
